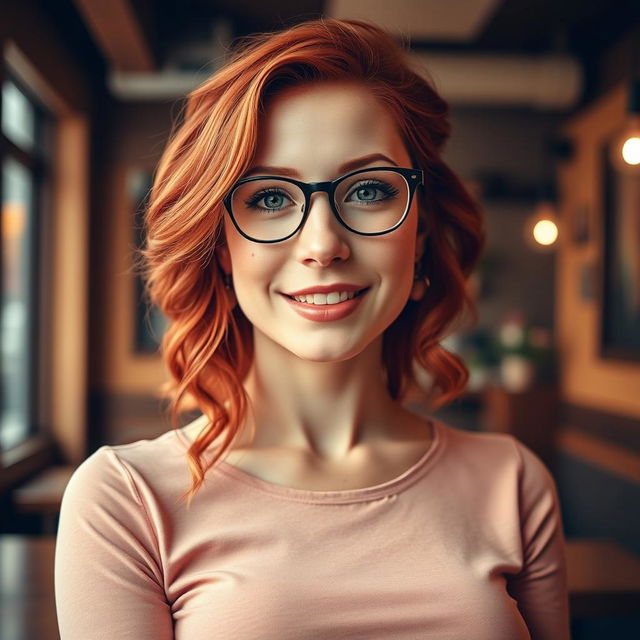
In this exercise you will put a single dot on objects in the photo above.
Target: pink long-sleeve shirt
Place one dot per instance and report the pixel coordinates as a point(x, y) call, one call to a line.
point(466, 543)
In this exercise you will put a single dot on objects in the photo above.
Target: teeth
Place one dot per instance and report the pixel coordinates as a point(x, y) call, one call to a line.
point(321, 298)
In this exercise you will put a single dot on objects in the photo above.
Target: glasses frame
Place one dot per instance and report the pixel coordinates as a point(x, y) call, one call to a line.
point(413, 177)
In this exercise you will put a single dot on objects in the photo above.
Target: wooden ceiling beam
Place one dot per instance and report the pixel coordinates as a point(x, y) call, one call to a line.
point(119, 33)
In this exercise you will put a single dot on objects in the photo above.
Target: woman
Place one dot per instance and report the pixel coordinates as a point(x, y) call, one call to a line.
point(308, 244)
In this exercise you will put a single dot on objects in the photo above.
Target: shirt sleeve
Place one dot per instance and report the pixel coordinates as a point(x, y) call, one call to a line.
point(108, 576)
point(540, 588)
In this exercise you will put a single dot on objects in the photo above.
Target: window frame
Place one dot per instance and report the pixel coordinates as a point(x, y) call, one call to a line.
point(38, 163)
point(37, 449)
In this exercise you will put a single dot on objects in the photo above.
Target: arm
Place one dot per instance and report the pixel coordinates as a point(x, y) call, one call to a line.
point(108, 578)
point(540, 588)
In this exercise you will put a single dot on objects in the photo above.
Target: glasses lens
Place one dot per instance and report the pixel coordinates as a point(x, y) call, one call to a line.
point(372, 201)
point(268, 209)
point(369, 202)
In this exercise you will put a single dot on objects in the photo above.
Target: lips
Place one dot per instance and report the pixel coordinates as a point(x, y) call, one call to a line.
point(358, 292)
point(328, 288)
point(326, 312)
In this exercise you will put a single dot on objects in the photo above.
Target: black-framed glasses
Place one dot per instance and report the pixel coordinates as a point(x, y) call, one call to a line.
point(369, 202)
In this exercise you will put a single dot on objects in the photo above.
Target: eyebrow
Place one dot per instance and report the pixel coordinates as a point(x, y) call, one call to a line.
point(343, 168)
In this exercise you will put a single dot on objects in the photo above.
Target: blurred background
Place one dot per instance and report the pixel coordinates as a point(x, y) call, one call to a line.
point(545, 100)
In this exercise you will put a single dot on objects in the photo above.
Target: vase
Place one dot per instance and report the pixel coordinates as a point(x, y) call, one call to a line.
point(516, 373)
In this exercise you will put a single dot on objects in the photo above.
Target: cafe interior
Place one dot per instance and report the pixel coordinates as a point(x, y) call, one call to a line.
point(545, 113)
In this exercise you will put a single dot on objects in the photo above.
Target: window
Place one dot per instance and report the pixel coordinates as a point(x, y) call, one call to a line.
point(24, 178)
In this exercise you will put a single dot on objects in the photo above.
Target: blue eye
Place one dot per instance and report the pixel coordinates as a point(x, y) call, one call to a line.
point(273, 199)
point(371, 187)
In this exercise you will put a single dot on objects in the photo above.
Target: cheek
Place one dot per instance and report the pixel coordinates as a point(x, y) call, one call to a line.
point(396, 263)
point(254, 268)
point(247, 266)
point(397, 252)
point(243, 256)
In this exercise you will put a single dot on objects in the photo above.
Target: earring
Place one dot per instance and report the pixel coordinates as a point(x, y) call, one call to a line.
point(227, 281)
point(420, 284)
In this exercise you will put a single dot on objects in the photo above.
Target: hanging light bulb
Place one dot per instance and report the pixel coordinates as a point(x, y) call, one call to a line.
point(541, 229)
point(631, 149)
point(545, 230)
point(625, 147)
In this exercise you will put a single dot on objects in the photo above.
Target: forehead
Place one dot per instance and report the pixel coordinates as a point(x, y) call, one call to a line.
point(318, 126)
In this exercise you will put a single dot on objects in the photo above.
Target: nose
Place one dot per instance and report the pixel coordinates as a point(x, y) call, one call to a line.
point(322, 238)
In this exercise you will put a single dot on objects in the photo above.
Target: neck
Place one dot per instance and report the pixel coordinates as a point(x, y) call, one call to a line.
point(325, 409)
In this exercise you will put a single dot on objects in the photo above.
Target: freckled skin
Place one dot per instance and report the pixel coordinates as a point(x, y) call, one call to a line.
point(318, 387)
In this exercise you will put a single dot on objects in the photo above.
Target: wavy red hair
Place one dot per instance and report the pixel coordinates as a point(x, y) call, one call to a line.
point(208, 345)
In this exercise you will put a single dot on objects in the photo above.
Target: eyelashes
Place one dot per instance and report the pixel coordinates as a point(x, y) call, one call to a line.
point(388, 190)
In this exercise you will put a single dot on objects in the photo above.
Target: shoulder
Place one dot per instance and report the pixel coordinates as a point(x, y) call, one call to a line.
point(110, 528)
point(496, 455)
point(134, 471)
point(499, 479)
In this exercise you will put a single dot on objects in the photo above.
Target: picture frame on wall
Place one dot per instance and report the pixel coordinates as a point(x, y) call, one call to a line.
point(150, 322)
point(620, 273)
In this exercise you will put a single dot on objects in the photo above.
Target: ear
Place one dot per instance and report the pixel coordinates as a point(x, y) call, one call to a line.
point(223, 257)
point(420, 242)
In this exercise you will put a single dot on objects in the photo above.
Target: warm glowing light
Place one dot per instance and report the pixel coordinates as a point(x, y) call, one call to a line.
point(631, 150)
point(545, 232)
point(542, 228)
point(14, 217)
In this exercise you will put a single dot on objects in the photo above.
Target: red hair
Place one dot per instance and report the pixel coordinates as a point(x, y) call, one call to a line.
point(208, 345)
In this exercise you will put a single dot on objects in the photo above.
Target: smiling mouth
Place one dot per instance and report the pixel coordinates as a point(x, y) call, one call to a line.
point(358, 293)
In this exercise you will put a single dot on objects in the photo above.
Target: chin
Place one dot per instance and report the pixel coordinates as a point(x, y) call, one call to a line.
point(327, 349)
point(326, 357)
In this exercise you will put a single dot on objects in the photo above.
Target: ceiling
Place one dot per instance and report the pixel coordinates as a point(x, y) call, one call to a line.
point(149, 34)
point(498, 25)
point(451, 21)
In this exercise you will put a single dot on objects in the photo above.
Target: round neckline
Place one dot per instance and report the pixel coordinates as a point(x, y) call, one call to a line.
point(362, 494)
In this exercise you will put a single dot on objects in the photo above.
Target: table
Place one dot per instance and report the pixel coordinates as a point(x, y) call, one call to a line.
point(604, 579)
point(27, 604)
point(43, 495)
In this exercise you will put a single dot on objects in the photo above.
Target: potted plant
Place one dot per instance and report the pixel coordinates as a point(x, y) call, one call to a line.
point(526, 354)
